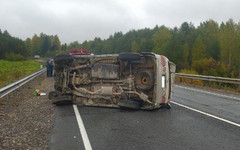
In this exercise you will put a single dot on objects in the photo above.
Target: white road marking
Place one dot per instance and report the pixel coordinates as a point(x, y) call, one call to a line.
point(207, 114)
point(83, 132)
point(210, 93)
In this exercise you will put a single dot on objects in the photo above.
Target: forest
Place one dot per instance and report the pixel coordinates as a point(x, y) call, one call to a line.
point(208, 49)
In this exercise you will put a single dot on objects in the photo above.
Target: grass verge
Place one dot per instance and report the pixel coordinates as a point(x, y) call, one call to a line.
point(11, 71)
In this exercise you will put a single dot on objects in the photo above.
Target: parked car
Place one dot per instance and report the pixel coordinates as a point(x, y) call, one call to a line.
point(132, 80)
point(36, 56)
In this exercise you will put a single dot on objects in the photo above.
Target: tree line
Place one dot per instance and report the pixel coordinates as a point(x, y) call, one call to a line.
point(12, 48)
point(209, 49)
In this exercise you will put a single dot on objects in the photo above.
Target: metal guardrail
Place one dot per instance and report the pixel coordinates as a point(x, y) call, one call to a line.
point(11, 87)
point(209, 78)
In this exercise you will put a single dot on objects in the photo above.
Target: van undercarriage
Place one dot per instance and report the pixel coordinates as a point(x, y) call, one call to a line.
point(132, 80)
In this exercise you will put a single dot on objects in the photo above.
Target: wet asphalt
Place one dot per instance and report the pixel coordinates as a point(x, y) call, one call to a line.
point(177, 128)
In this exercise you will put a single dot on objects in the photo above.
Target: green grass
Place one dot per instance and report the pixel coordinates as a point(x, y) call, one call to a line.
point(14, 70)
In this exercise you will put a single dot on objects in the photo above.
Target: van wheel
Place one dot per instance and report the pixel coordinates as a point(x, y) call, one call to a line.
point(63, 59)
point(144, 80)
point(129, 56)
point(129, 104)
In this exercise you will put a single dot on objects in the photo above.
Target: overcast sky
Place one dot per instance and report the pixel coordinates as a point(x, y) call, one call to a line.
point(79, 20)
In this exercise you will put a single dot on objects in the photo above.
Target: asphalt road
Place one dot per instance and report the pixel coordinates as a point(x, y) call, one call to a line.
point(227, 107)
point(177, 128)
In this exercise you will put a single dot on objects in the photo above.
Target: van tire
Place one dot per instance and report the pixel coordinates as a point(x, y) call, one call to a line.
point(144, 80)
point(129, 56)
point(63, 59)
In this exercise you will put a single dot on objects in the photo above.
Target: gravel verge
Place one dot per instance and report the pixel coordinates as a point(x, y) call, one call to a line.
point(26, 119)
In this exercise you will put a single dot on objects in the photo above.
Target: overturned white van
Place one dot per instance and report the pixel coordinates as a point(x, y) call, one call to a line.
point(131, 80)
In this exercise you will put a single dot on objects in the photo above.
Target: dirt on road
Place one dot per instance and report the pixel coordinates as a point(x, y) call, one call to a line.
point(26, 119)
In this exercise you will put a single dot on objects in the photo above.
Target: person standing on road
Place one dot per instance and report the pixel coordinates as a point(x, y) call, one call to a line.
point(48, 68)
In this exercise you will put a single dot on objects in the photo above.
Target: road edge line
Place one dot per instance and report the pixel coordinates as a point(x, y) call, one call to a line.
point(209, 93)
point(83, 132)
point(207, 114)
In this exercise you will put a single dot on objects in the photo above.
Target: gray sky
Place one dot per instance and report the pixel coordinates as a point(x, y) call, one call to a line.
point(79, 20)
